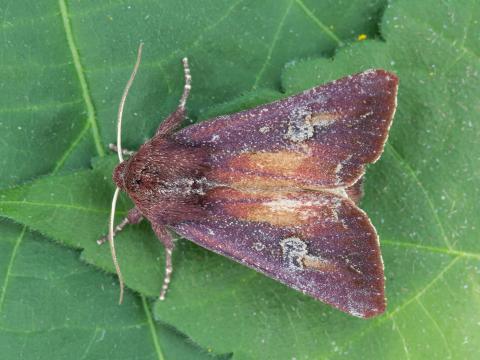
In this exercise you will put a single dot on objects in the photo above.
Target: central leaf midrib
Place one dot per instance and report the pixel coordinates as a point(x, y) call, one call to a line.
point(91, 117)
point(58, 205)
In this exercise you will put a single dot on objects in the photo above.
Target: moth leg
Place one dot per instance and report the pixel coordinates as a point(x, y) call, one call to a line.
point(175, 118)
point(355, 192)
point(113, 147)
point(167, 240)
point(134, 217)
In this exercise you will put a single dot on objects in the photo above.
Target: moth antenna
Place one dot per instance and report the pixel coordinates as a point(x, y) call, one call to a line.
point(188, 83)
point(122, 102)
point(111, 232)
point(112, 243)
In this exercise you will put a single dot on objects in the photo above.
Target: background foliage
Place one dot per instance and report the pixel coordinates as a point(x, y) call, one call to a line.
point(64, 65)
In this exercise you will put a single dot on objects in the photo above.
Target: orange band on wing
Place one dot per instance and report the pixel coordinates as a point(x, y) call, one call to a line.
point(287, 168)
point(291, 209)
point(283, 162)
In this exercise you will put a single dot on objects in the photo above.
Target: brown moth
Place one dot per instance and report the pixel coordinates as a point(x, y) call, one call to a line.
point(275, 187)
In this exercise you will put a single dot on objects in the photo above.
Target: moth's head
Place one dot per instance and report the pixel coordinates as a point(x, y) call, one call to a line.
point(119, 175)
point(141, 171)
point(129, 174)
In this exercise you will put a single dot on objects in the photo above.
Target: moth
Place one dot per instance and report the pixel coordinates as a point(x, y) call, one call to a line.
point(275, 188)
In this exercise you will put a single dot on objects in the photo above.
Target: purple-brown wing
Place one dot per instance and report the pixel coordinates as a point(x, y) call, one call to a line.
point(322, 137)
point(317, 242)
point(285, 175)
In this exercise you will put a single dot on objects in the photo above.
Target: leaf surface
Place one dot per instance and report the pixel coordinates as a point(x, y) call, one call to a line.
point(53, 306)
point(422, 195)
point(64, 64)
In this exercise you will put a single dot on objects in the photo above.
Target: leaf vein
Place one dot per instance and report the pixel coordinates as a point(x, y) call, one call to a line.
point(61, 161)
point(10, 266)
point(453, 43)
point(151, 326)
point(276, 36)
point(412, 174)
point(90, 343)
point(81, 77)
point(176, 53)
point(59, 206)
point(72, 327)
point(399, 308)
point(437, 327)
point(433, 249)
point(319, 23)
point(39, 107)
point(402, 338)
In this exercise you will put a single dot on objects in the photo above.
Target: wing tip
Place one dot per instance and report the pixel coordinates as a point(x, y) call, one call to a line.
point(390, 76)
point(391, 88)
point(378, 310)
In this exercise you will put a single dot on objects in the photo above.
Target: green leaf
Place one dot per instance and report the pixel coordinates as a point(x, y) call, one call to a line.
point(74, 209)
point(53, 306)
point(65, 63)
point(421, 195)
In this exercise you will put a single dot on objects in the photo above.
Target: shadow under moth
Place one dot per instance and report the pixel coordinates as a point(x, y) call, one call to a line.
point(274, 188)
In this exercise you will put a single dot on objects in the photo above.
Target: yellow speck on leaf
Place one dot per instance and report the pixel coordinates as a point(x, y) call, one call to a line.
point(362, 37)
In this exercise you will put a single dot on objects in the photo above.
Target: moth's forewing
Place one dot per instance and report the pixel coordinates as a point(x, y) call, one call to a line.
point(283, 173)
point(323, 136)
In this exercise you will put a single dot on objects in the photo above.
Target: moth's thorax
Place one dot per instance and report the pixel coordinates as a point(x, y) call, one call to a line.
point(165, 179)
